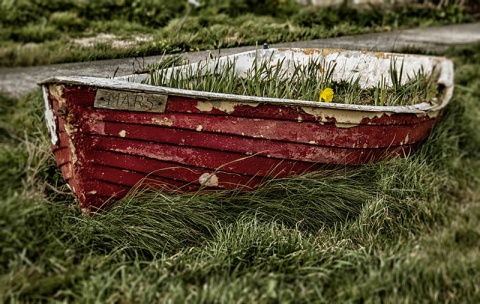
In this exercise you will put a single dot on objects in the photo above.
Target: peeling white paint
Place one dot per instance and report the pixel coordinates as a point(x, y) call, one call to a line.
point(224, 106)
point(69, 127)
point(208, 179)
point(50, 118)
point(199, 128)
point(122, 133)
point(72, 150)
point(432, 114)
point(85, 211)
point(162, 122)
point(57, 91)
point(343, 118)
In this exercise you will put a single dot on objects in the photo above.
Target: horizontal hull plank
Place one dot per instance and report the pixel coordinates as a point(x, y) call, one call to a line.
point(175, 172)
point(263, 133)
point(251, 165)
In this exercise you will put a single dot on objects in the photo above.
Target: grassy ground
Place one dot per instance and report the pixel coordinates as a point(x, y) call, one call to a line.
point(45, 32)
point(402, 231)
point(406, 230)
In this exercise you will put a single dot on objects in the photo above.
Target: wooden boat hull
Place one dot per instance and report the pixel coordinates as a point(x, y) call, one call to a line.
point(109, 136)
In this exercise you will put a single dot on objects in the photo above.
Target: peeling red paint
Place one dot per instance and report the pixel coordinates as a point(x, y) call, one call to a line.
point(112, 151)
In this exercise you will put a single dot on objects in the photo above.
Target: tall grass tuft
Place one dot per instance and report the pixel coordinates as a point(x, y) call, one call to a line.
point(150, 223)
point(296, 80)
point(308, 202)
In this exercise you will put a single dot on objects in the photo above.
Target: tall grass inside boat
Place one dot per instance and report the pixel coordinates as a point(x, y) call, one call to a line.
point(289, 79)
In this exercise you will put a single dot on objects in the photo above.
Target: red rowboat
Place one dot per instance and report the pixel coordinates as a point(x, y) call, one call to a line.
point(109, 135)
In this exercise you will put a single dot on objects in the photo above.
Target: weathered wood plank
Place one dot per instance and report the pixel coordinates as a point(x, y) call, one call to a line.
point(231, 130)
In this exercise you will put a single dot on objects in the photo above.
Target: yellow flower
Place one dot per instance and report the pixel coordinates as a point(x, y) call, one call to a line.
point(326, 95)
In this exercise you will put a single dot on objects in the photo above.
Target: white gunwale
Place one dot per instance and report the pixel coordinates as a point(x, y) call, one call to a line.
point(124, 84)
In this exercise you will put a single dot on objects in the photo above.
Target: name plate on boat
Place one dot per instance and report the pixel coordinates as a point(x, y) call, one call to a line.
point(130, 101)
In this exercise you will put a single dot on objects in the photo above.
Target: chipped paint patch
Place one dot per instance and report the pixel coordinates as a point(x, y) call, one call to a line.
point(122, 133)
point(343, 118)
point(162, 122)
point(73, 151)
point(199, 128)
point(432, 114)
point(85, 211)
point(56, 90)
point(208, 179)
point(50, 118)
point(224, 106)
point(69, 127)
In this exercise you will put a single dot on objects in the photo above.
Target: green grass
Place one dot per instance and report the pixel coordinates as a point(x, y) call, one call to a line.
point(268, 77)
point(406, 230)
point(44, 32)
